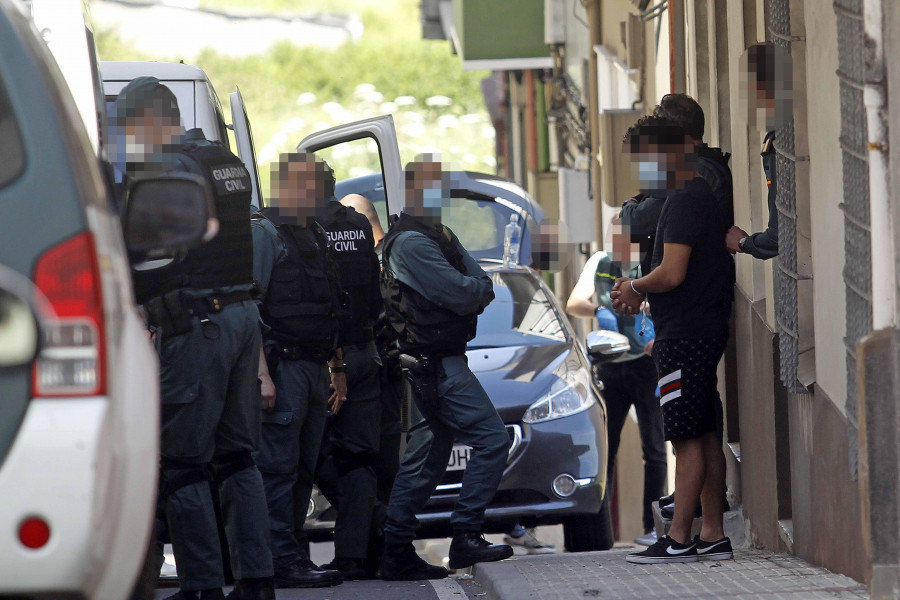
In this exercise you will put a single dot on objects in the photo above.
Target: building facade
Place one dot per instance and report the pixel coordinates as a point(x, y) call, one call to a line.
point(811, 379)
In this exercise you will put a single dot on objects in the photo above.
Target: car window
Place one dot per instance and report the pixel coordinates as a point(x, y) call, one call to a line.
point(221, 128)
point(114, 138)
point(357, 170)
point(478, 224)
point(12, 153)
point(520, 315)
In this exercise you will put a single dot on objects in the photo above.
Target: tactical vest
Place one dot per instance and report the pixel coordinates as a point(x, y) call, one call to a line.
point(422, 326)
point(227, 259)
point(353, 248)
point(302, 301)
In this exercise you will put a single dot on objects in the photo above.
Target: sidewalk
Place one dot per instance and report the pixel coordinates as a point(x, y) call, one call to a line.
point(753, 574)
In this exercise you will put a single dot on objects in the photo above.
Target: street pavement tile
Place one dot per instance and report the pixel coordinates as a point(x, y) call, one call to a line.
point(753, 574)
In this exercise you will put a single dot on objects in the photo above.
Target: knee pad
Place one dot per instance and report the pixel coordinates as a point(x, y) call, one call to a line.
point(176, 474)
point(228, 465)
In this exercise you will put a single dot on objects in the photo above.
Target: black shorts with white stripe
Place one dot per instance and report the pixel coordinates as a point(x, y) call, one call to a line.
point(687, 385)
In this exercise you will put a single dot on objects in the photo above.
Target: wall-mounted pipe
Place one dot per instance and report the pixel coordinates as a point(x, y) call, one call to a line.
point(882, 235)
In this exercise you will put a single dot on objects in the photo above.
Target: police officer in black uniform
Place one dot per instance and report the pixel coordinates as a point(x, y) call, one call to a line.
point(768, 71)
point(300, 306)
point(352, 440)
point(388, 460)
point(207, 334)
point(433, 292)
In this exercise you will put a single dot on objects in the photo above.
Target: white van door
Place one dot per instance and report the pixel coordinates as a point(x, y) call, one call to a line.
point(363, 148)
point(244, 138)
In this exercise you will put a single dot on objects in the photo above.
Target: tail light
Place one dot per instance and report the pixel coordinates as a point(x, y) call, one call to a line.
point(72, 359)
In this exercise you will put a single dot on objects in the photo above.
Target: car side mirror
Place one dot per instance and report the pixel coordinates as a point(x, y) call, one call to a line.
point(167, 215)
point(604, 346)
point(19, 329)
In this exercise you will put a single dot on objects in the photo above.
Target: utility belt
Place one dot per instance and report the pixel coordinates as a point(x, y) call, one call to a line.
point(174, 312)
point(423, 373)
point(277, 351)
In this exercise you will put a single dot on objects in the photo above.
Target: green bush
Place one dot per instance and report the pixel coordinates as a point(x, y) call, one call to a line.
point(390, 55)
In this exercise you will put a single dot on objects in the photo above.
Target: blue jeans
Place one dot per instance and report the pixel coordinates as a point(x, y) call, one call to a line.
point(634, 383)
point(463, 414)
point(210, 412)
point(289, 449)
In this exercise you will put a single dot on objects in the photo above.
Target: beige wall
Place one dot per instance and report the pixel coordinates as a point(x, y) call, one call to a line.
point(826, 191)
point(613, 13)
point(749, 182)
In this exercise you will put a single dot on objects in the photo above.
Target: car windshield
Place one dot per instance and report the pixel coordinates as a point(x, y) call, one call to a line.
point(520, 315)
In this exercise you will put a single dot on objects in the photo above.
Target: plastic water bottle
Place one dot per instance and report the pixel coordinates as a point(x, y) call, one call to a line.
point(511, 242)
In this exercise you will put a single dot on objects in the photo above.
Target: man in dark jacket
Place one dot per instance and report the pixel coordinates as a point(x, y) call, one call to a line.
point(299, 305)
point(207, 333)
point(346, 471)
point(767, 69)
point(433, 292)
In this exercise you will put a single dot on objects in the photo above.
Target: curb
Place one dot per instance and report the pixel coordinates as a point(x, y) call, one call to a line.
point(503, 581)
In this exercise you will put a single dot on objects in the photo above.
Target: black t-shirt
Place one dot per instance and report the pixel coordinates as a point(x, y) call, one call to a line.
point(701, 305)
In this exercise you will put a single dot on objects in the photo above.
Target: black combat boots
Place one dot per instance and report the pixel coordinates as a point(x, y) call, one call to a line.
point(350, 568)
point(253, 589)
point(306, 574)
point(470, 547)
point(401, 563)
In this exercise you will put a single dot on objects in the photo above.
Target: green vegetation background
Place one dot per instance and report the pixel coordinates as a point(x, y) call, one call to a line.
point(390, 54)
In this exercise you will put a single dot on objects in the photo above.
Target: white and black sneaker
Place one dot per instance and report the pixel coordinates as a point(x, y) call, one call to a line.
point(665, 550)
point(720, 550)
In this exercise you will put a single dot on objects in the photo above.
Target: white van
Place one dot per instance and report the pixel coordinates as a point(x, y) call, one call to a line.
point(197, 101)
point(79, 427)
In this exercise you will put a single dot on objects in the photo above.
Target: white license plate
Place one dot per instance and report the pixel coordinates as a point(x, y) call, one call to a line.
point(459, 458)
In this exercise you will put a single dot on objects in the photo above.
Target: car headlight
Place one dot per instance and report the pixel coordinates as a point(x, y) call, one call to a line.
point(568, 396)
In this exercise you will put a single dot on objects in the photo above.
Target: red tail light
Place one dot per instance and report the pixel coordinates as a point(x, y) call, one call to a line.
point(34, 533)
point(72, 359)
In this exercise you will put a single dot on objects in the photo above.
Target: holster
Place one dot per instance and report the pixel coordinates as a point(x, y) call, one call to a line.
point(422, 374)
point(272, 352)
point(170, 313)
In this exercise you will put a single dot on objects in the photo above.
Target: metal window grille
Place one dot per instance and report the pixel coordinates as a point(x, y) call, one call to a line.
point(786, 276)
point(857, 239)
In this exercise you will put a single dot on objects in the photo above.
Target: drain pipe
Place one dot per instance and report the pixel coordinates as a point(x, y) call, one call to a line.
point(875, 101)
point(594, 16)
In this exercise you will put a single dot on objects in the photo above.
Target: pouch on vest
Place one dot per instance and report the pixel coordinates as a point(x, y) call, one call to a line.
point(170, 313)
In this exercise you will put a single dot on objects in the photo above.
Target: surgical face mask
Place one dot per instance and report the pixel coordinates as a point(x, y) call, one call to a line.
point(652, 175)
point(137, 149)
point(432, 199)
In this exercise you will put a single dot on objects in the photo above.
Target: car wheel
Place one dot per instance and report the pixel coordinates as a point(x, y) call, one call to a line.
point(585, 533)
